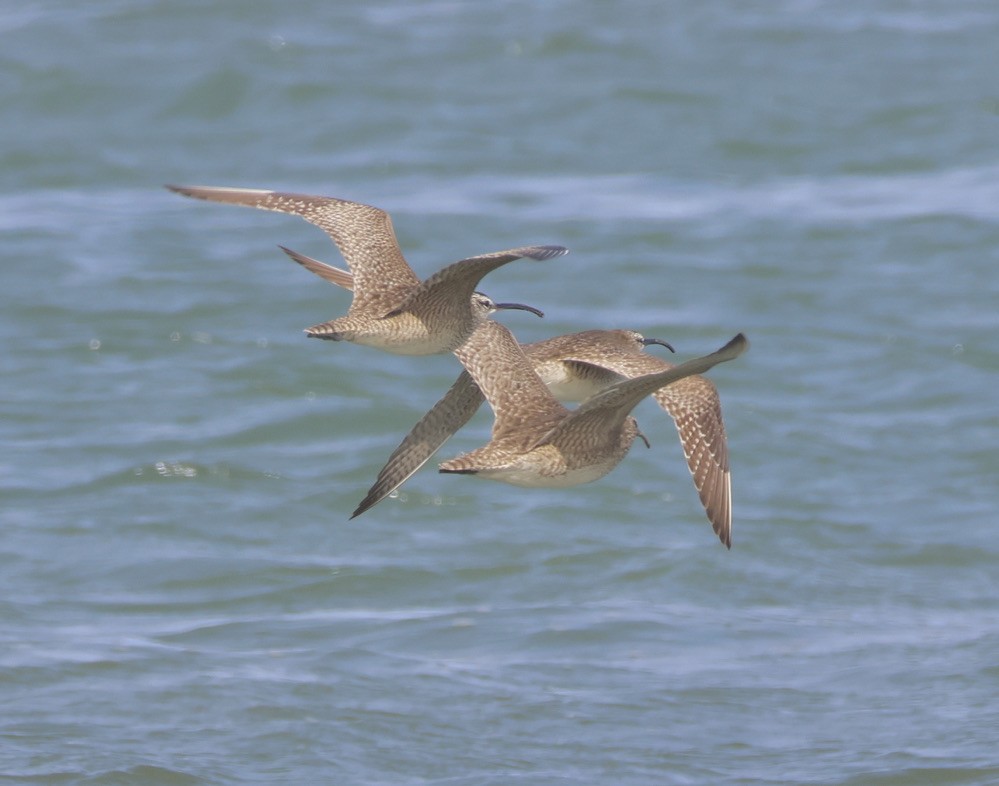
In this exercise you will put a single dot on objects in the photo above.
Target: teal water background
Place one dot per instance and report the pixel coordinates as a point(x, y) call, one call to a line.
point(184, 600)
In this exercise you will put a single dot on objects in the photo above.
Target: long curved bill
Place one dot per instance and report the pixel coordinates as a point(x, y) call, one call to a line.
point(519, 307)
point(647, 341)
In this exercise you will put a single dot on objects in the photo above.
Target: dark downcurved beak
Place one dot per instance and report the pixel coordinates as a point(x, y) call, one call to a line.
point(519, 307)
point(647, 341)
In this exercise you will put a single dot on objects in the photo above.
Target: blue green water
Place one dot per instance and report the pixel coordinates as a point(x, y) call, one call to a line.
point(184, 600)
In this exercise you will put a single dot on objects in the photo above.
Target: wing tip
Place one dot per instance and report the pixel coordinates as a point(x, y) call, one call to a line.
point(210, 192)
point(549, 252)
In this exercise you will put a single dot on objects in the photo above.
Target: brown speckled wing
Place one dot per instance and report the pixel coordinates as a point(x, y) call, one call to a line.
point(342, 278)
point(435, 428)
point(693, 403)
point(519, 399)
point(362, 233)
point(695, 407)
point(455, 283)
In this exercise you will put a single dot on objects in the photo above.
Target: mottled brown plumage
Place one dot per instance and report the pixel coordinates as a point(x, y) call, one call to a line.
point(537, 442)
point(574, 367)
point(391, 309)
point(578, 365)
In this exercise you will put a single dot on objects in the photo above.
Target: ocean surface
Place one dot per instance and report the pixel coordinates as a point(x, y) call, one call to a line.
point(184, 599)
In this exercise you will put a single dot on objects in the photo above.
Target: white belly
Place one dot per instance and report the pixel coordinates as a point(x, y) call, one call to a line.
point(413, 345)
point(568, 386)
point(530, 477)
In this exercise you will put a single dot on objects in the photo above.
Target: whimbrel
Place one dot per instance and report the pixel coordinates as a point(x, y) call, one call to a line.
point(391, 308)
point(536, 442)
point(574, 367)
